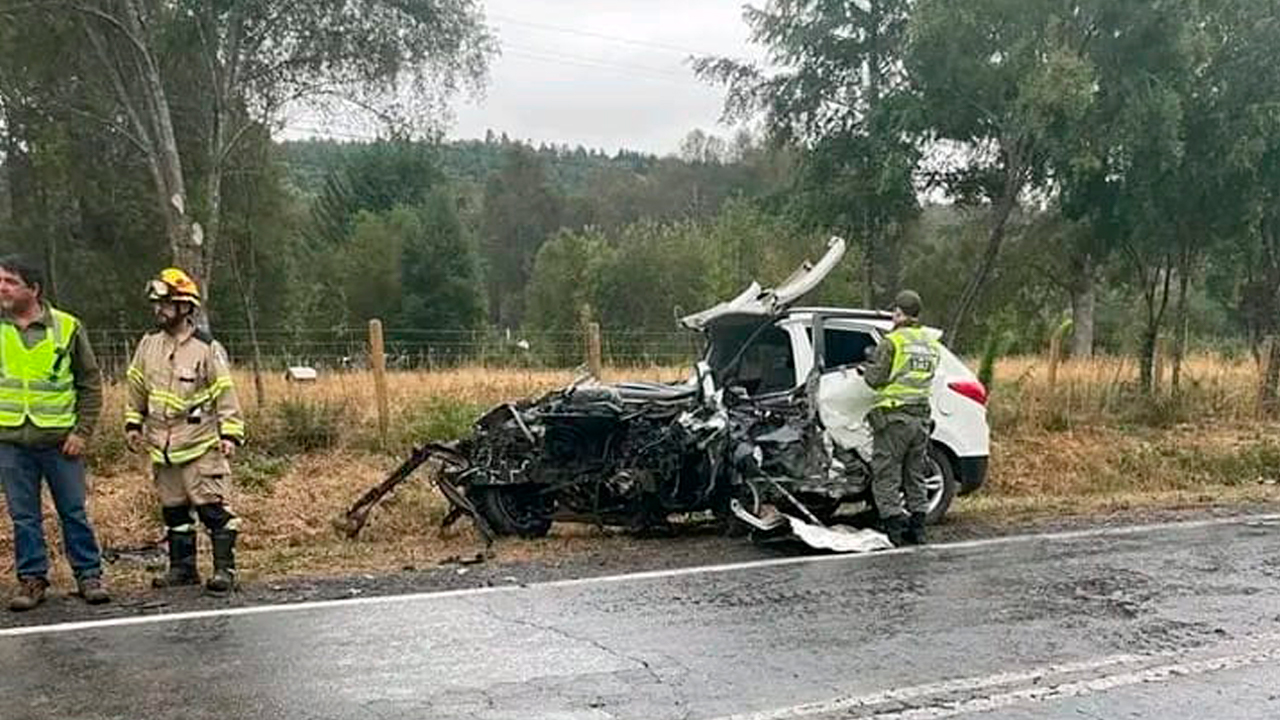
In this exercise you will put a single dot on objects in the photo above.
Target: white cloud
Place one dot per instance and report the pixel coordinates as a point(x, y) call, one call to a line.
point(602, 73)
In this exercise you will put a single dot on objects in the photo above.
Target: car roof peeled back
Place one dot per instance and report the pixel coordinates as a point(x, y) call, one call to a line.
point(772, 302)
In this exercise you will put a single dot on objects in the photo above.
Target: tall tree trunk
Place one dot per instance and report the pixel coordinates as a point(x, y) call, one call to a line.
point(224, 71)
point(1147, 358)
point(891, 261)
point(1269, 399)
point(51, 260)
point(259, 388)
point(21, 182)
point(212, 226)
point(874, 79)
point(154, 121)
point(868, 270)
point(1156, 296)
point(1181, 318)
point(1269, 389)
point(1084, 300)
point(246, 280)
point(1000, 221)
point(6, 197)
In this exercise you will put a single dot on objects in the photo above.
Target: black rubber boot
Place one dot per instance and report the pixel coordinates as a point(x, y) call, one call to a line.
point(916, 533)
point(896, 529)
point(224, 562)
point(182, 561)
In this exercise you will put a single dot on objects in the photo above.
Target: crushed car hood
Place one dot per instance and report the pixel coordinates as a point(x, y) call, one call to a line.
point(766, 302)
point(655, 391)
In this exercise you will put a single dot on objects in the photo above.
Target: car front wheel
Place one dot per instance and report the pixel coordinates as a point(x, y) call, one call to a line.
point(519, 510)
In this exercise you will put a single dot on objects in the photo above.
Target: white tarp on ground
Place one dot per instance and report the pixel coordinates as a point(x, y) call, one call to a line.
point(838, 538)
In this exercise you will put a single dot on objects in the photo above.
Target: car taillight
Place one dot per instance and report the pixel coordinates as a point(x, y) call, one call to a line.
point(971, 389)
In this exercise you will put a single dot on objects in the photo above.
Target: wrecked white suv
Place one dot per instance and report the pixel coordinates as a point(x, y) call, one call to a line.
point(772, 418)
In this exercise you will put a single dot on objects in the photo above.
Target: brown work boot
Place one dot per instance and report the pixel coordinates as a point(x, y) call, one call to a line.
point(92, 592)
point(30, 594)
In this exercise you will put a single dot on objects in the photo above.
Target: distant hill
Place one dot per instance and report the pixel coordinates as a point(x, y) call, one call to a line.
point(468, 161)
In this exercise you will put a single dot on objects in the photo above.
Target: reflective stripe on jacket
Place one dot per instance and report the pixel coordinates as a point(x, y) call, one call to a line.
point(37, 383)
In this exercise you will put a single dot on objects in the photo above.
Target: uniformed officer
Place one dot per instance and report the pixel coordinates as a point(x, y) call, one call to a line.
point(902, 373)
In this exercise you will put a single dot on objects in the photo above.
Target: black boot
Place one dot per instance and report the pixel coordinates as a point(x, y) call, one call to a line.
point(896, 529)
point(916, 534)
point(224, 562)
point(182, 561)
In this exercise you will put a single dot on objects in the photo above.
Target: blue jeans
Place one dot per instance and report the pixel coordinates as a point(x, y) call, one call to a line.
point(21, 469)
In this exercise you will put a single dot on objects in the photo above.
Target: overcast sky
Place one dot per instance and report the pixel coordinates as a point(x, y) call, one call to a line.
point(604, 73)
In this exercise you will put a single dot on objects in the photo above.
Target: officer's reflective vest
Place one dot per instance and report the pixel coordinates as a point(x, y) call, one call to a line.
point(915, 361)
point(36, 384)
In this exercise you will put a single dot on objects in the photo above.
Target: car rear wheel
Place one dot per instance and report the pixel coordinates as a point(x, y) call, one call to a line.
point(940, 483)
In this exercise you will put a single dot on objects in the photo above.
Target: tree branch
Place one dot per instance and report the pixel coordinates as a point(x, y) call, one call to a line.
point(230, 146)
point(111, 125)
point(146, 142)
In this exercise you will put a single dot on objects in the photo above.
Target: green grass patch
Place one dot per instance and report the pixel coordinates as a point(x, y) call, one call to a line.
point(436, 420)
point(257, 473)
point(300, 425)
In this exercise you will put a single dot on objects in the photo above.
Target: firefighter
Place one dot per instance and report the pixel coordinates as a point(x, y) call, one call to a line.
point(182, 409)
point(902, 375)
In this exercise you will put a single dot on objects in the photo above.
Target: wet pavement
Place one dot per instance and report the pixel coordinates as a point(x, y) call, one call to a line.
point(1174, 621)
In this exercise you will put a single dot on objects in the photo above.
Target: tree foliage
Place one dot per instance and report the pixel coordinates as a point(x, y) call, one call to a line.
point(1016, 162)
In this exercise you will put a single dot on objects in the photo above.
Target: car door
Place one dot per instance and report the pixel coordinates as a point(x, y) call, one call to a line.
point(843, 395)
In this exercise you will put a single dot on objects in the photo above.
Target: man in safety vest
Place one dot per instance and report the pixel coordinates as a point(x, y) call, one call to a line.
point(902, 373)
point(50, 399)
point(182, 409)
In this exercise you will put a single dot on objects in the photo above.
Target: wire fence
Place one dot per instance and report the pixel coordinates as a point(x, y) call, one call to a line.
point(341, 348)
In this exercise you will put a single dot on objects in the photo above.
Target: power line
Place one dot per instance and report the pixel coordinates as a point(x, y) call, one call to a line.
point(599, 60)
point(599, 36)
point(669, 78)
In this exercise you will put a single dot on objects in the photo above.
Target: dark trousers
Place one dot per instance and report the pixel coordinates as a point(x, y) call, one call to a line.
point(22, 469)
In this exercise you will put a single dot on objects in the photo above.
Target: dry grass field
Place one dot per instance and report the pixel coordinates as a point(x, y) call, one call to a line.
point(1090, 443)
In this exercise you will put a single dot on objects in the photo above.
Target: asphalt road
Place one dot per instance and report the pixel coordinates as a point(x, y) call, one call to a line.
point(1169, 621)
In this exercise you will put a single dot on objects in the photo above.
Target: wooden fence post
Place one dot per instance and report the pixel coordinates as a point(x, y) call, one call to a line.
point(594, 360)
point(590, 341)
point(378, 359)
point(1157, 375)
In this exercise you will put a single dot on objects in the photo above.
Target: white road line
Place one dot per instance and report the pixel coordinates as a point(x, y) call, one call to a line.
point(1156, 674)
point(1043, 677)
point(628, 577)
point(970, 684)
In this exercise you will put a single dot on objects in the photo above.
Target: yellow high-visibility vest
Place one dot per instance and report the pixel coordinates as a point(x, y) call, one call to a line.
point(915, 362)
point(36, 384)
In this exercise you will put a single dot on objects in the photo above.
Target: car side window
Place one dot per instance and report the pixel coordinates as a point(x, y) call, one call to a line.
point(844, 348)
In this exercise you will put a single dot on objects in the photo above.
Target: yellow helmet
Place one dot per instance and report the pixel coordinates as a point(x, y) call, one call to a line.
point(174, 284)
